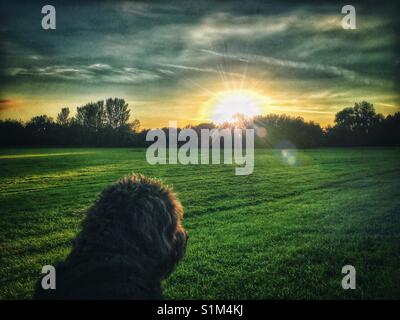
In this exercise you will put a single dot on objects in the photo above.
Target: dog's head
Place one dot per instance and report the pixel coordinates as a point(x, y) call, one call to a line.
point(140, 219)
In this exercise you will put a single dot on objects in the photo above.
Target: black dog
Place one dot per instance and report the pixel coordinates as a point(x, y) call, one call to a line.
point(131, 239)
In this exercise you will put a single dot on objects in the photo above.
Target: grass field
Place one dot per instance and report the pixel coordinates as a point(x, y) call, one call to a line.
point(282, 232)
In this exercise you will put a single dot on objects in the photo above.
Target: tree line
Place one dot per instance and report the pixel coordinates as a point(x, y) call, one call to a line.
point(101, 123)
point(106, 124)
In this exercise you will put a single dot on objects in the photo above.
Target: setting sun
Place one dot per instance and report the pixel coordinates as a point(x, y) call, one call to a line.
point(229, 104)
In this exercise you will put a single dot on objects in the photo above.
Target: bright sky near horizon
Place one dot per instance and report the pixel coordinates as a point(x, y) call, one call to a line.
point(174, 60)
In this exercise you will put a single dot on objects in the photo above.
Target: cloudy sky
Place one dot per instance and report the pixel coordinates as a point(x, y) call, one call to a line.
point(173, 60)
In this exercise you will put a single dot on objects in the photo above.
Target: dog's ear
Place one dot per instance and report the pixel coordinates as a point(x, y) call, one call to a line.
point(162, 217)
point(181, 238)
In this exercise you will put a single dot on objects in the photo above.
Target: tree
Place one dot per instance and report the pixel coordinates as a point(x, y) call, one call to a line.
point(91, 115)
point(278, 128)
point(12, 133)
point(365, 116)
point(361, 118)
point(39, 130)
point(357, 126)
point(345, 118)
point(134, 125)
point(117, 112)
point(40, 124)
point(62, 117)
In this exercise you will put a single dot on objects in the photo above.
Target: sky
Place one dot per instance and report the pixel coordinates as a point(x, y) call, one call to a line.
point(176, 60)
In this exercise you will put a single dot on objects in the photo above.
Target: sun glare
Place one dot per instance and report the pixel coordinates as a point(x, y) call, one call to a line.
point(229, 104)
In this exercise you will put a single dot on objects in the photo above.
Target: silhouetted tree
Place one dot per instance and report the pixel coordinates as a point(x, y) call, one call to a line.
point(63, 117)
point(40, 130)
point(117, 112)
point(40, 124)
point(91, 115)
point(365, 116)
point(12, 133)
point(356, 126)
point(278, 128)
point(390, 130)
point(346, 119)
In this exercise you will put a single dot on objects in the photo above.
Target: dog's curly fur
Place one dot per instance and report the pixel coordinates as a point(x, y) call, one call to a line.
point(131, 239)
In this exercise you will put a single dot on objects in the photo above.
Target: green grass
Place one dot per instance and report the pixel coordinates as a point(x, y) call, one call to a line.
point(282, 232)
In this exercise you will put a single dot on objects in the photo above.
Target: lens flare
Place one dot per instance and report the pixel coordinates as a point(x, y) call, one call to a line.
point(261, 132)
point(287, 153)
